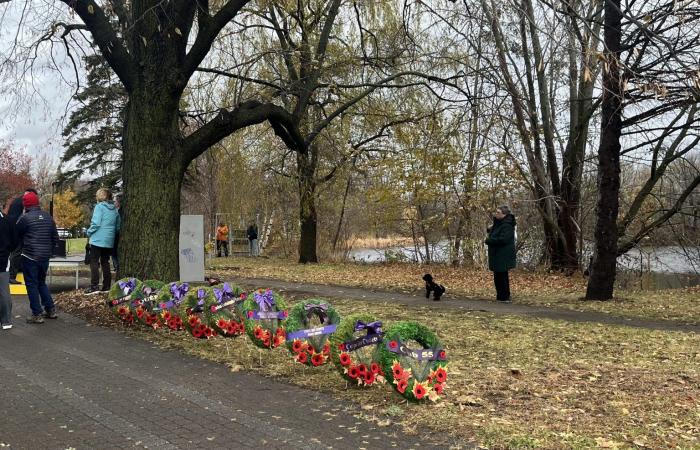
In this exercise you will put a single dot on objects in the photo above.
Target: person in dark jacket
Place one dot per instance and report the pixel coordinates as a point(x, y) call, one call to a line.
point(115, 249)
point(501, 242)
point(7, 244)
point(14, 212)
point(38, 234)
point(252, 235)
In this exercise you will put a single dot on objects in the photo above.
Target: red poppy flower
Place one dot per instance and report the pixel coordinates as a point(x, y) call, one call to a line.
point(440, 375)
point(363, 369)
point(208, 332)
point(353, 372)
point(197, 333)
point(193, 320)
point(401, 386)
point(139, 313)
point(317, 359)
point(369, 377)
point(345, 359)
point(374, 368)
point(250, 314)
point(397, 371)
point(439, 388)
point(443, 355)
point(341, 347)
point(419, 391)
point(302, 357)
point(281, 332)
point(221, 323)
point(243, 296)
point(326, 348)
point(297, 346)
point(231, 329)
point(285, 314)
point(122, 310)
point(167, 315)
point(258, 333)
point(266, 342)
point(148, 320)
point(393, 345)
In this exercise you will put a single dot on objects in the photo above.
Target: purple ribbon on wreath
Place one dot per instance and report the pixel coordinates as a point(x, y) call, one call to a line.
point(265, 301)
point(320, 309)
point(127, 287)
point(179, 291)
point(372, 327)
point(223, 294)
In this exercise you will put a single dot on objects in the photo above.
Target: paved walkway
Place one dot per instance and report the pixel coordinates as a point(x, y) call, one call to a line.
point(66, 384)
point(462, 304)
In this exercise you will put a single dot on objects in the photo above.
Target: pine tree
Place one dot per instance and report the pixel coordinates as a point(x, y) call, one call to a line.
point(93, 145)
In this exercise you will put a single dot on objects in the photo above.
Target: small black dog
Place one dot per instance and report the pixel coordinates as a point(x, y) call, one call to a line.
point(431, 285)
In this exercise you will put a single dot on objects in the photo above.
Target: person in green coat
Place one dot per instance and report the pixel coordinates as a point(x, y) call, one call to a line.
point(501, 242)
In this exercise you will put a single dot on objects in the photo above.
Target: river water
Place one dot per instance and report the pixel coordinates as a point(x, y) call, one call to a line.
point(644, 267)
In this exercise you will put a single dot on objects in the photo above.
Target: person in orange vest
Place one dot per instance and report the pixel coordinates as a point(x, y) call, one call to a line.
point(221, 239)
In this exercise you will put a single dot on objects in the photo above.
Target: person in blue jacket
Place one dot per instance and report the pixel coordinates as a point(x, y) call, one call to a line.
point(104, 226)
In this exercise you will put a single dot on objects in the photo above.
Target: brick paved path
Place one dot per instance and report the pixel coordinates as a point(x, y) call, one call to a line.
point(67, 384)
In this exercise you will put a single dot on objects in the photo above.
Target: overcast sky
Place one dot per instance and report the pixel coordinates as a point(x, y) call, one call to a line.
point(33, 107)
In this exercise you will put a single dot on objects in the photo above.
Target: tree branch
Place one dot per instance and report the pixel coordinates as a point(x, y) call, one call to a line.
point(106, 39)
point(248, 113)
point(209, 28)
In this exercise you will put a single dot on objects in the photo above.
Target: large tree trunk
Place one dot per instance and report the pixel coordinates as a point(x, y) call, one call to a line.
point(307, 207)
point(602, 280)
point(153, 171)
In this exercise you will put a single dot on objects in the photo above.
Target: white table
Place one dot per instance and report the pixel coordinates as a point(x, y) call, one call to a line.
point(73, 261)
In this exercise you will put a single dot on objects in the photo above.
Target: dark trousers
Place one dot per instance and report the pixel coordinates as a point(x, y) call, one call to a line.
point(15, 263)
point(99, 256)
point(35, 280)
point(221, 245)
point(500, 279)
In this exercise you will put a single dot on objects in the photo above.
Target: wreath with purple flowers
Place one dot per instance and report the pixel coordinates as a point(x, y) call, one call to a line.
point(120, 297)
point(264, 316)
point(222, 310)
point(168, 304)
point(192, 310)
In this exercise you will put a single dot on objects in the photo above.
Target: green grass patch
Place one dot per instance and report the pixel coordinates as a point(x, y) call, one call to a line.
point(76, 246)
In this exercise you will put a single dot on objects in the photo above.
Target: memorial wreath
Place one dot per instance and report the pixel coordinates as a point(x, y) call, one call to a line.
point(309, 326)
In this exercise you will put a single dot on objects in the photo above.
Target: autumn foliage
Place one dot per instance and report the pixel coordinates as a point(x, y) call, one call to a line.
point(66, 212)
point(15, 172)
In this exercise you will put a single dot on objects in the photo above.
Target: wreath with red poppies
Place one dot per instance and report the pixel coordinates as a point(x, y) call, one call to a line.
point(264, 316)
point(416, 373)
point(145, 299)
point(309, 326)
point(355, 350)
point(166, 306)
point(222, 309)
point(192, 311)
point(120, 297)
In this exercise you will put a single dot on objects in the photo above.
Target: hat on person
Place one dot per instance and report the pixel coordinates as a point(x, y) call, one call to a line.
point(30, 199)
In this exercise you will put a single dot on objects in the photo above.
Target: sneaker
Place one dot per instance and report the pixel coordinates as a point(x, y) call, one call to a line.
point(104, 290)
point(506, 301)
point(51, 314)
point(35, 319)
point(92, 291)
point(14, 281)
point(6, 326)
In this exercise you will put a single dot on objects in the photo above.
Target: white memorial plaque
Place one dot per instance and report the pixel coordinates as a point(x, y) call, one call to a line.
point(191, 248)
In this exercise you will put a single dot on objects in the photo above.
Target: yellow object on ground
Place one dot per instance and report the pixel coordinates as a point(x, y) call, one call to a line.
point(19, 289)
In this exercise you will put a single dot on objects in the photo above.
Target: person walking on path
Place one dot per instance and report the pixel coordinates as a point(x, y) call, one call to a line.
point(14, 212)
point(38, 234)
point(252, 234)
point(222, 239)
point(501, 242)
point(103, 229)
point(7, 245)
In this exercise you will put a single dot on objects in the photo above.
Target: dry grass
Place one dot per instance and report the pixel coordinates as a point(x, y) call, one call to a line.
point(514, 382)
point(529, 288)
